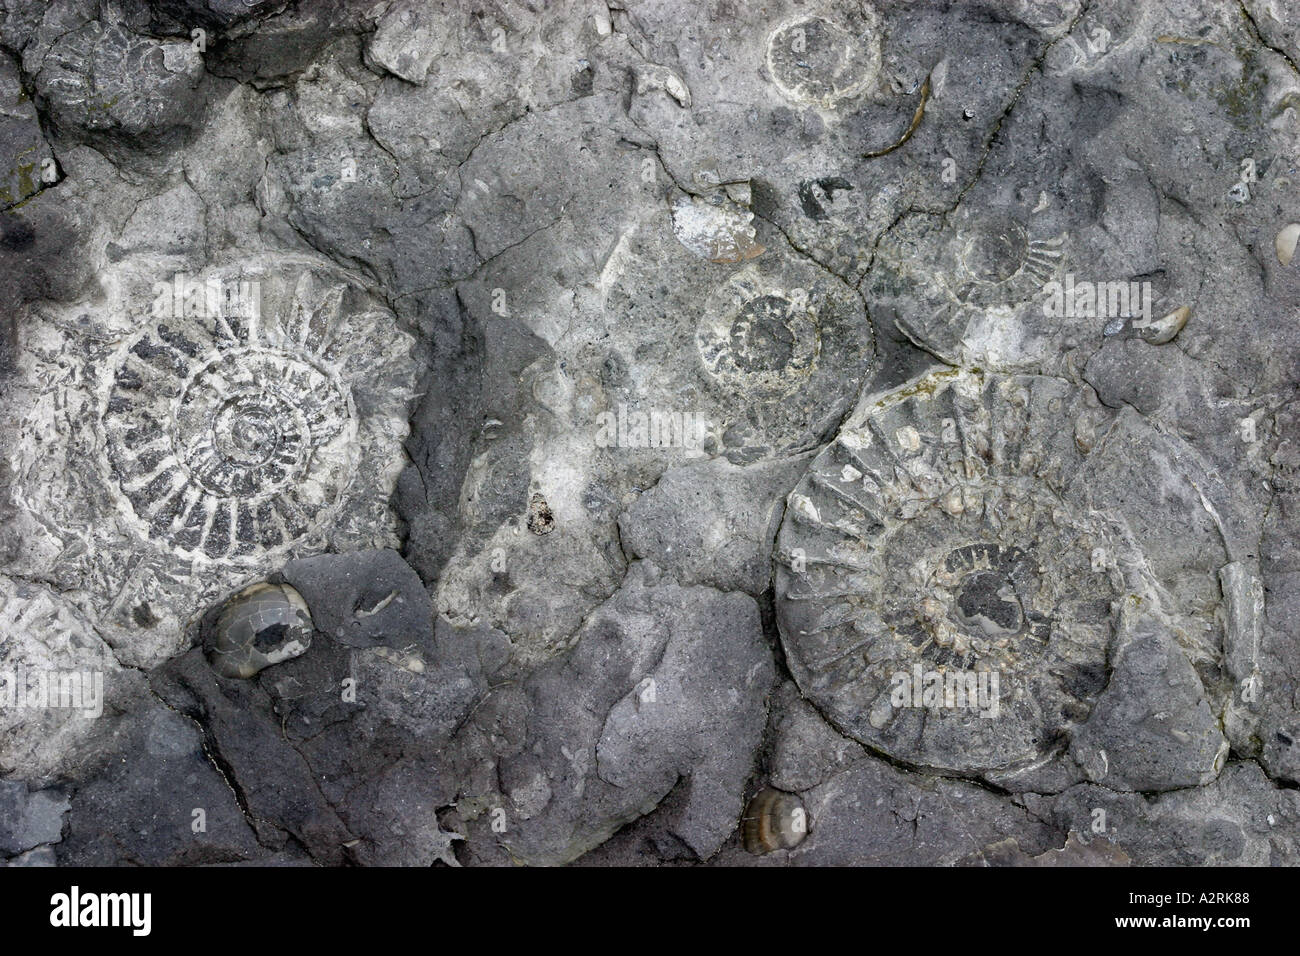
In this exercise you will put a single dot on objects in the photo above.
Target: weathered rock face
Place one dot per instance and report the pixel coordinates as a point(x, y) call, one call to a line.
point(101, 79)
point(212, 423)
point(29, 164)
point(664, 693)
point(801, 433)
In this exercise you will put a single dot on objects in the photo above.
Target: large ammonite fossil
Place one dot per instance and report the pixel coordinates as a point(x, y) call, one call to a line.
point(227, 427)
point(945, 593)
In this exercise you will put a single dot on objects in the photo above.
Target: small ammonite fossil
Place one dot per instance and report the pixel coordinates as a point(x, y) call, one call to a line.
point(1002, 263)
point(930, 547)
point(773, 820)
point(758, 337)
point(976, 284)
point(822, 62)
point(229, 429)
point(262, 625)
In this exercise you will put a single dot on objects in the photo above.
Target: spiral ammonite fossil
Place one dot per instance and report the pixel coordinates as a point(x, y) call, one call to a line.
point(824, 61)
point(926, 540)
point(1002, 264)
point(757, 335)
point(228, 429)
point(975, 285)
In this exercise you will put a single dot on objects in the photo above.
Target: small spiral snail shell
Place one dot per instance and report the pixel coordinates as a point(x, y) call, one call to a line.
point(774, 820)
point(262, 625)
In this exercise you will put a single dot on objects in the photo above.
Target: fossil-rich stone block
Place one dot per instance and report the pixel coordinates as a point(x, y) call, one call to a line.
point(960, 585)
point(860, 430)
point(199, 429)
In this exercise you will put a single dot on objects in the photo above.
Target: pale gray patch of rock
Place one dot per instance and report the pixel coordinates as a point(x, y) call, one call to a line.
point(403, 43)
point(171, 224)
point(29, 818)
point(803, 749)
point(712, 523)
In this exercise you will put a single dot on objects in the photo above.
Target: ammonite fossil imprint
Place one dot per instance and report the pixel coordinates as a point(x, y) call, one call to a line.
point(973, 289)
point(227, 428)
point(184, 433)
point(1001, 263)
point(769, 358)
point(930, 540)
point(823, 61)
point(757, 335)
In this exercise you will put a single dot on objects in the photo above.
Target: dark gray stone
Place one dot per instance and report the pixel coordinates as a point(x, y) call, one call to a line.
point(365, 598)
point(135, 802)
point(29, 818)
point(664, 692)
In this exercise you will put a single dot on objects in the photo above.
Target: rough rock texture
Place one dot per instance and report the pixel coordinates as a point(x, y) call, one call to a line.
point(30, 819)
point(664, 693)
point(887, 406)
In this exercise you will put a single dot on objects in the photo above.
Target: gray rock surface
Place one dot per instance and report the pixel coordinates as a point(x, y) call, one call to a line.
point(712, 523)
point(655, 404)
point(363, 599)
point(30, 819)
point(664, 692)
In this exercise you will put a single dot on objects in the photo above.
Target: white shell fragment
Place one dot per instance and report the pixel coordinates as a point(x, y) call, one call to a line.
point(1164, 329)
point(1286, 241)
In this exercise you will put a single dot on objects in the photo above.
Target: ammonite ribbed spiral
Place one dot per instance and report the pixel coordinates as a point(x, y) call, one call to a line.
point(757, 336)
point(970, 289)
point(927, 538)
point(228, 430)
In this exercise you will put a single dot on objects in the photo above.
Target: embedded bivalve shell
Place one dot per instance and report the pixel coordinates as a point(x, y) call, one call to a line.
point(774, 820)
point(1286, 241)
point(1165, 329)
point(261, 625)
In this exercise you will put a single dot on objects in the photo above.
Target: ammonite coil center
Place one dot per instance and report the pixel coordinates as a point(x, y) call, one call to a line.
point(762, 337)
point(1001, 263)
point(769, 340)
point(256, 404)
point(996, 254)
point(246, 432)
